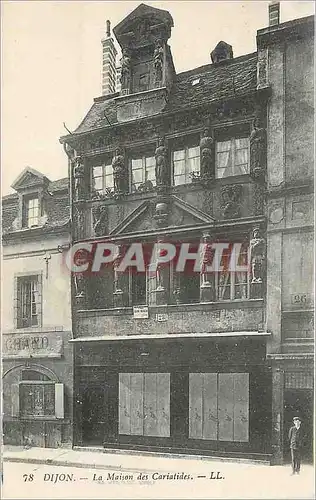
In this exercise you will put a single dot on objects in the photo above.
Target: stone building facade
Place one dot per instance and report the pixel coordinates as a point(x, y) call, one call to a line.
point(286, 52)
point(36, 321)
point(191, 362)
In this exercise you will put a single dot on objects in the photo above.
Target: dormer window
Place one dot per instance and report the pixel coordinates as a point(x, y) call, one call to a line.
point(31, 211)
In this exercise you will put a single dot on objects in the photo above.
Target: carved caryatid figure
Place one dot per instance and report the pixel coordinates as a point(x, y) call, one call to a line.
point(79, 178)
point(257, 256)
point(158, 60)
point(258, 150)
point(207, 154)
point(161, 163)
point(125, 78)
point(118, 164)
point(99, 214)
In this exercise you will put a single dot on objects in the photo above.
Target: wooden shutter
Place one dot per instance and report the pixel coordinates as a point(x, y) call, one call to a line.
point(210, 419)
point(124, 404)
point(163, 404)
point(196, 405)
point(241, 407)
point(150, 404)
point(15, 400)
point(39, 301)
point(226, 406)
point(59, 400)
point(136, 403)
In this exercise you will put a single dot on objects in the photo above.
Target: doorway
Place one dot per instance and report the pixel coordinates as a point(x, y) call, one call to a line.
point(299, 402)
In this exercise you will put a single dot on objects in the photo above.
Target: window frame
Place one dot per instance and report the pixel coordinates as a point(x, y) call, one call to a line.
point(105, 189)
point(18, 312)
point(232, 284)
point(232, 151)
point(26, 199)
point(185, 143)
point(142, 155)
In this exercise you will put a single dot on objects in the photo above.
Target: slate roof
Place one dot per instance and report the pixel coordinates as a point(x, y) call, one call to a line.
point(217, 81)
point(56, 206)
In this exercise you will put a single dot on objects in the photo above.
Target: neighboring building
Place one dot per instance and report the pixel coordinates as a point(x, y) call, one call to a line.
point(184, 158)
point(36, 322)
point(286, 54)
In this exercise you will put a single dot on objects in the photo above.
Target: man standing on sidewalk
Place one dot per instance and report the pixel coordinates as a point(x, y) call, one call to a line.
point(295, 438)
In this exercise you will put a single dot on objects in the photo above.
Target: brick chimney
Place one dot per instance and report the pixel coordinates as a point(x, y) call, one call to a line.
point(274, 13)
point(108, 63)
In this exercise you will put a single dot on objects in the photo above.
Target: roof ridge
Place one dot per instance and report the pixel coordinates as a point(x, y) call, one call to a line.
point(229, 62)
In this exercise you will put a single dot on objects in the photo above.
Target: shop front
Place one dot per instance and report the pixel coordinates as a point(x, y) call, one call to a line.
point(209, 395)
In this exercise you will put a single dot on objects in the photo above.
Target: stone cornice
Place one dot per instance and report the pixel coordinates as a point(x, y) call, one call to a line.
point(259, 95)
point(35, 233)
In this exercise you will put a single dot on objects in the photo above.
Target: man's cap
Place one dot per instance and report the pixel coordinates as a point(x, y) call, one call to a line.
point(296, 418)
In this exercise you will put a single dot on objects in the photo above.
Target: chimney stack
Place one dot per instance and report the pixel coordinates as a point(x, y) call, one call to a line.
point(274, 13)
point(108, 62)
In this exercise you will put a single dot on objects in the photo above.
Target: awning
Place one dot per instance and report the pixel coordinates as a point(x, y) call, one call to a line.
point(170, 336)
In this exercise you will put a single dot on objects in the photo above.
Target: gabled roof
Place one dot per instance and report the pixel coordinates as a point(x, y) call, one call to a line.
point(29, 176)
point(229, 79)
point(142, 11)
point(57, 206)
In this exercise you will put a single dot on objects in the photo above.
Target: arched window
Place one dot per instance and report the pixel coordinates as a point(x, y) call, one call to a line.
point(37, 395)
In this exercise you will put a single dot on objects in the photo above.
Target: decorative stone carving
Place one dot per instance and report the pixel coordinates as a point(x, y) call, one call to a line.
point(79, 174)
point(259, 199)
point(161, 155)
point(258, 150)
point(207, 155)
point(207, 289)
point(80, 288)
point(158, 61)
point(100, 220)
point(118, 164)
point(161, 213)
point(125, 78)
point(79, 222)
point(257, 256)
point(231, 200)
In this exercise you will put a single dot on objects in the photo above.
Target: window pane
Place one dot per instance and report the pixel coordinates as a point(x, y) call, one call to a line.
point(242, 143)
point(223, 146)
point(193, 166)
point(137, 163)
point(98, 183)
point(192, 152)
point(178, 155)
point(151, 175)
point(137, 176)
point(150, 161)
point(97, 172)
point(241, 157)
point(178, 167)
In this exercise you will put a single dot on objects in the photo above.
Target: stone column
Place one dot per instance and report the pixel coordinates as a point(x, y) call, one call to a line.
point(162, 276)
point(119, 294)
point(207, 292)
point(277, 415)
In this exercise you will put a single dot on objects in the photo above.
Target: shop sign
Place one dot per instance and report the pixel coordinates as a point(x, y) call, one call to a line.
point(162, 317)
point(140, 312)
point(31, 346)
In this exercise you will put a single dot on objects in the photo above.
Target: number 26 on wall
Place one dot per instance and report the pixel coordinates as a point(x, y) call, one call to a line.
point(299, 298)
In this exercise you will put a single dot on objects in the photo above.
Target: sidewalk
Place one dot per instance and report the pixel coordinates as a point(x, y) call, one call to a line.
point(117, 461)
